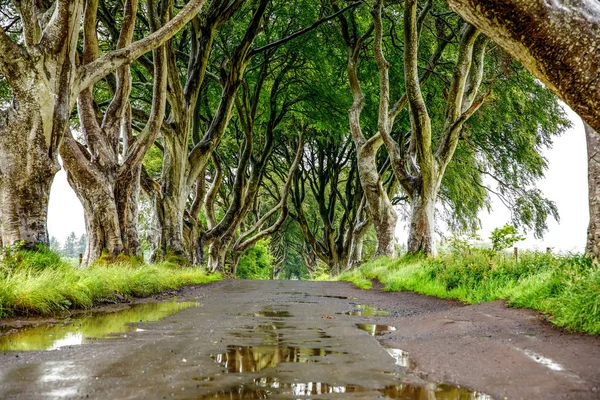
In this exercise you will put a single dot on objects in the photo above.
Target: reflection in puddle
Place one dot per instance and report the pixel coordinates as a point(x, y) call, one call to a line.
point(240, 359)
point(306, 389)
point(375, 330)
point(267, 387)
point(401, 357)
point(273, 314)
point(248, 364)
point(364, 310)
point(86, 328)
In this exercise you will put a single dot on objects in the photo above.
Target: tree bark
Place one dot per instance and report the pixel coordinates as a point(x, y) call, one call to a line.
point(557, 41)
point(593, 150)
point(422, 223)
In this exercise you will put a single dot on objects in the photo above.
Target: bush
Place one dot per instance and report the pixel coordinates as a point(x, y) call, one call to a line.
point(257, 262)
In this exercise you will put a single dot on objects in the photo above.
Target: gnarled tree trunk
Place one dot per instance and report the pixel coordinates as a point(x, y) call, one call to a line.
point(422, 222)
point(593, 150)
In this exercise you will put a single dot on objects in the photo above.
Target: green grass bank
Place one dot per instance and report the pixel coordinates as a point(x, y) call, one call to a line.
point(41, 283)
point(566, 289)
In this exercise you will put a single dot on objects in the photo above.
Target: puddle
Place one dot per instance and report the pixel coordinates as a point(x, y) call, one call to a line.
point(267, 312)
point(86, 329)
point(364, 310)
point(375, 330)
point(240, 359)
point(254, 372)
point(273, 314)
point(267, 387)
point(401, 357)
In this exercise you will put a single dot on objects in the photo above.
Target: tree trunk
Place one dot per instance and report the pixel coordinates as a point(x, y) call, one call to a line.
point(593, 148)
point(25, 183)
point(101, 222)
point(356, 250)
point(422, 223)
point(127, 196)
point(217, 252)
point(380, 208)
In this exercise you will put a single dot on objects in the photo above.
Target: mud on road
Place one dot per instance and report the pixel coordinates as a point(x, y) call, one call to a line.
point(302, 340)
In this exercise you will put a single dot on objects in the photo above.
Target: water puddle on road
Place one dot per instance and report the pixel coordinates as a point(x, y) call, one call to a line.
point(241, 359)
point(87, 328)
point(363, 310)
point(375, 330)
point(253, 372)
point(268, 387)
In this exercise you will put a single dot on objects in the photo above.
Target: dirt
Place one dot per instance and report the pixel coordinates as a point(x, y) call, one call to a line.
point(292, 339)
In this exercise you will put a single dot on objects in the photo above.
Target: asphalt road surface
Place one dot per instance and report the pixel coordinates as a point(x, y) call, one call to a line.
point(299, 340)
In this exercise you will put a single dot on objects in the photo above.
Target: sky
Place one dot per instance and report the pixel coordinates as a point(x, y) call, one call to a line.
point(565, 183)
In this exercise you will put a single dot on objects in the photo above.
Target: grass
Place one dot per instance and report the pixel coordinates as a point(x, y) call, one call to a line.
point(40, 283)
point(565, 288)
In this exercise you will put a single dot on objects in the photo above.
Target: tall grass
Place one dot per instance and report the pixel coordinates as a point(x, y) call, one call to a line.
point(40, 283)
point(565, 288)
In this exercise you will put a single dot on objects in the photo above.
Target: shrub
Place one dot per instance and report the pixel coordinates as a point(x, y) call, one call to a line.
point(257, 262)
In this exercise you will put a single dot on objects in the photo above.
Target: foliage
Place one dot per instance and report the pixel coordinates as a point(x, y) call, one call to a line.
point(505, 237)
point(565, 288)
point(257, 262)
point(70, 247)
point(463, 243)
point(36, 287)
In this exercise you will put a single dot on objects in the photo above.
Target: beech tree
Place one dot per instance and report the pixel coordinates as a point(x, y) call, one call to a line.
point(41, 65)
point(380, 209)
point(557, 42)
point(104, 168)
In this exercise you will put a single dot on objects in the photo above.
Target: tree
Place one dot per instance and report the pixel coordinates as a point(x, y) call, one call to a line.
point(82, 244)
point(329, 202)
point(379, 206)
point(104, 168)
point(41, 66)
point(71, 246)
point(55, 245)
point(564, 59)
point(505, 237)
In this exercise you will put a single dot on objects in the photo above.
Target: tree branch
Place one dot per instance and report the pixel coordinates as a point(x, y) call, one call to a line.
point(93, 72)
point(305, 30)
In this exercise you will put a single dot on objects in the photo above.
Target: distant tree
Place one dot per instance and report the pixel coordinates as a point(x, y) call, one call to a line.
point(70, 247)
point(55, 244)
point(505, 237)
point(81, 245)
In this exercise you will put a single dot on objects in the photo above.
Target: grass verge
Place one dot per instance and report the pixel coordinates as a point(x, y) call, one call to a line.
point(40, 283)
point(565, 288)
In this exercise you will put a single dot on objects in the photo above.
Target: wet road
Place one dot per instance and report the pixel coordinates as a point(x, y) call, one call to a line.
point(283, 340)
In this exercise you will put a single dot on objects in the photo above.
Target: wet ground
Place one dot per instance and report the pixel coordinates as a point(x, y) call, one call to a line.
point(299, 340)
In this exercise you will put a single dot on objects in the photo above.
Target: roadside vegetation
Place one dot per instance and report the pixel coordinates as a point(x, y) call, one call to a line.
point(565, 288)
point(42, 283)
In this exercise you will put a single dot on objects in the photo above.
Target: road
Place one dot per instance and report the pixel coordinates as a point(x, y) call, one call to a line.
point(313, 340)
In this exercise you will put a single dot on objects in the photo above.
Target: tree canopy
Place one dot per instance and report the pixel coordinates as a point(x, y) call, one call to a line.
point(305, 128)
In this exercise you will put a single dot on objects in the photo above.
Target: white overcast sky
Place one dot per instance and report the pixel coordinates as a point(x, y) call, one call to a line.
point(565, 183)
